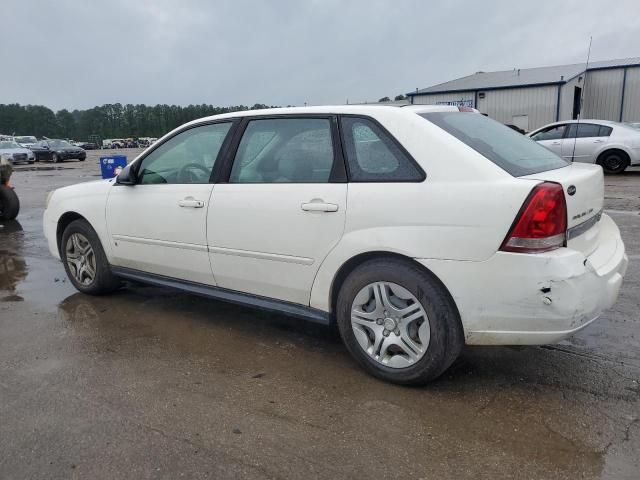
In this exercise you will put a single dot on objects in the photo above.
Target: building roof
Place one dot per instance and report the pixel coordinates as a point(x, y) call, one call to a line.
point(523, 77)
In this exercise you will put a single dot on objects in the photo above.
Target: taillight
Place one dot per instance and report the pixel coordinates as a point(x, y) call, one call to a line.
point(541, 224)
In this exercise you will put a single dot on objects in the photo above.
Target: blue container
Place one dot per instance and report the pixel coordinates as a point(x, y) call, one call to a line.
point(111, 166)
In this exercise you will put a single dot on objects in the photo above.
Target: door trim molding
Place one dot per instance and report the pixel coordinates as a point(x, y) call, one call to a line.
point(262, 255)
point(159, 243)
point(232, 296)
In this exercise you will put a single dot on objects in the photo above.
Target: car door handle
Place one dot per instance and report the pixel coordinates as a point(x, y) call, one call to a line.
point(556, 143)
point(191, 202)
point(598, 141)
point(319, 206)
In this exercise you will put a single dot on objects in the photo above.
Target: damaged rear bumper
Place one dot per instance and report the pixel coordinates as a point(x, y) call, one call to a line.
point(525, 299)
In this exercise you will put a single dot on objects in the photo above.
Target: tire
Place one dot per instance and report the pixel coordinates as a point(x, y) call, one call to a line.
point(613, 162)
point(82, 159)
point(103, 281)
point(445, 332)
point(55, 158)
point(9, 203)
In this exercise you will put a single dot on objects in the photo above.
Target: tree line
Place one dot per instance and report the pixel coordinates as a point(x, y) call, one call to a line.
point(106, 121)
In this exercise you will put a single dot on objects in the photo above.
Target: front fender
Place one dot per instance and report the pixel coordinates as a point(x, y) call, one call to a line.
point(87, 200)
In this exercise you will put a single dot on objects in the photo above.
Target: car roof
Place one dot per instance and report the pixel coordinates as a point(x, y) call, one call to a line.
point(369, 109)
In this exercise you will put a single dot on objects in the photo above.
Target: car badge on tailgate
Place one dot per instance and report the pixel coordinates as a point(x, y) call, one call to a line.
point(571, 190)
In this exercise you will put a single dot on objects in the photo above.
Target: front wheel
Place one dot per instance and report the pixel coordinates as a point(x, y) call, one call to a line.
point(55, 158)
point(85, 261)
point(398, 322)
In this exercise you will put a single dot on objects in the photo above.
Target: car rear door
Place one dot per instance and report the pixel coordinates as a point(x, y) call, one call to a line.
point(283, 208)
point(158, 225)
point(583, 141)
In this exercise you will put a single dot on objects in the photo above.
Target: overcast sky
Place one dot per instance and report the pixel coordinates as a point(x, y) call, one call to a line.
point(78, 53)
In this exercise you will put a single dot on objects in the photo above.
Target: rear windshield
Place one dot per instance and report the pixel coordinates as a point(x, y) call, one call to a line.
point(510, 150)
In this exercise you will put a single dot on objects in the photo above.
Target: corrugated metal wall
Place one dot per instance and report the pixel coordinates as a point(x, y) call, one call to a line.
point(539, 103)
point(602, 99)
point(631, 111)
point(603, 92)
point(434, 98)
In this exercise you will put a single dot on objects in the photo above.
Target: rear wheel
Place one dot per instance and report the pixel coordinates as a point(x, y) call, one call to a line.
point(85, 261)
point(9, 203)
point(398, 322)
point(613, 162)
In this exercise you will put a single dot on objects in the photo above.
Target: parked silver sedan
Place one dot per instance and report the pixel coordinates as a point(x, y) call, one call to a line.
point(612, 145)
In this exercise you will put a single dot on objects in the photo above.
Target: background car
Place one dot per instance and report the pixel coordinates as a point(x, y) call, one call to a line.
point(26, 141)
point(612, 145)
point(87, 145)
point(16, 153)
point(57, 150)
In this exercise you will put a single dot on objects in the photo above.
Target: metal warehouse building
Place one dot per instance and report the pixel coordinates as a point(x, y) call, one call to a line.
point(533, 97)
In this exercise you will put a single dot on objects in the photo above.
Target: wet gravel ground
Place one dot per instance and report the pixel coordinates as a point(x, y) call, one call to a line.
point(150, 383)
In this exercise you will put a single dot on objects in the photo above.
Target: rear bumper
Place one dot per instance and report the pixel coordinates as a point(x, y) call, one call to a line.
point(523, 299)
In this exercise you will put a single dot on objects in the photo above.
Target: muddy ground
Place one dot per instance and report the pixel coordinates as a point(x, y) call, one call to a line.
point(150, 383)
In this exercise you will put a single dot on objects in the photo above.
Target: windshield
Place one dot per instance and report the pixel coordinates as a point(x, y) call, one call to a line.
point(26, 139)
point(60, 144)
point(9, 144)
point(511, 151)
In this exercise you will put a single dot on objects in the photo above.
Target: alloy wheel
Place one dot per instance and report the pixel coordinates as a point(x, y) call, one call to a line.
point(81, 259)
point(613, 162)
point(390, 324)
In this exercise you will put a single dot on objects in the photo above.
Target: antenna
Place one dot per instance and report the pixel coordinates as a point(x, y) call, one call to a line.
point(584, 87)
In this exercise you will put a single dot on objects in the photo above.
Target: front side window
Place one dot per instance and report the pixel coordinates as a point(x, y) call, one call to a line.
point(187, 158)
point(552, 133)
point(516, 154)
point(284, 150)
point(373, 156)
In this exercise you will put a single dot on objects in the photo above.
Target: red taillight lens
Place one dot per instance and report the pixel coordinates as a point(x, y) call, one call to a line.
point(541, 224)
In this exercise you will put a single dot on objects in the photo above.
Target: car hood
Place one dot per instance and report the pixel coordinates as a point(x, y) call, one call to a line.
point(15, 150)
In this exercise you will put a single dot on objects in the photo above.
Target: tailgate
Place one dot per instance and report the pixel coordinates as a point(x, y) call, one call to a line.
point(583, 186)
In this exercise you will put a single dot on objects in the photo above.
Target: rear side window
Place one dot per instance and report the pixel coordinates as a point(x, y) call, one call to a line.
point(514, 153)
point(605, 131)
point(586, 130)
point(373, 156)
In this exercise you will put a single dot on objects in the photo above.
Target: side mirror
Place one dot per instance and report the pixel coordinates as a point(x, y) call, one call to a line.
point(127, 176)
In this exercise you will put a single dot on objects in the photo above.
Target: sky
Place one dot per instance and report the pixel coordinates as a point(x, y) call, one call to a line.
point(81, 53)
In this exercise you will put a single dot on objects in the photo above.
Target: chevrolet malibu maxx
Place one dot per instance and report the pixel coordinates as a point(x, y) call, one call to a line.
point(415, 230)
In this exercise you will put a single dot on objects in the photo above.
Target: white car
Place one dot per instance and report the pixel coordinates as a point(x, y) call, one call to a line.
point(26, 141)
point(15, 153)
point(416, 229)
point(612, 145)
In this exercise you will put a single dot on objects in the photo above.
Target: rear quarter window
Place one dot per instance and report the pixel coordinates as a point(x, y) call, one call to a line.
point(515, 153)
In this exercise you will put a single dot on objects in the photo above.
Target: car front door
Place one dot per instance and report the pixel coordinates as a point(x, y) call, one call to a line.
point(158, 225)
point(583, 141)
point(282, 210)
point(551, 138)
